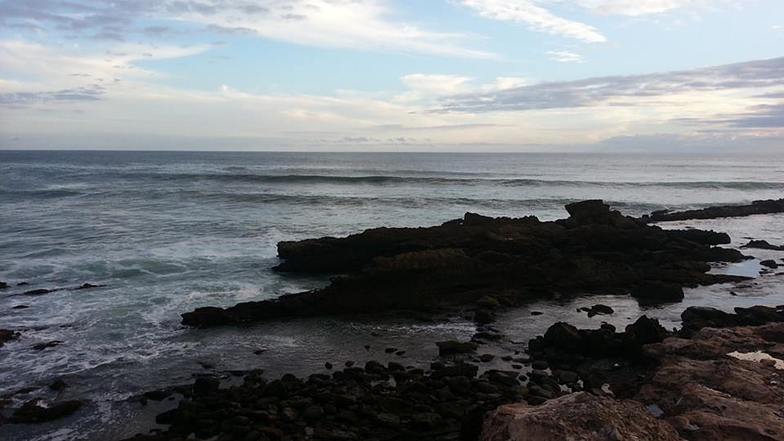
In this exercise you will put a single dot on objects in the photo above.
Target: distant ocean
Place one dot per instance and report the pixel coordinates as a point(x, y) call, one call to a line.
point(170, 231)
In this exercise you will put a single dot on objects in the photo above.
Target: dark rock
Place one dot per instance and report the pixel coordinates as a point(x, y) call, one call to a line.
point(482, 262)
point(58, 385)
point(599, 310)
point(656, 293)
point(484, 316)
point(37, 292)
point(34, 412)
point(485, 358)
point(20, 307)
point(205, 386)
point(328, 365)
point(3, 285)
point(206, 317)
point(46, 345)
point(89, 286)
point(701, 236)
point(535, 313)
point(7, 335)
point(763, 245)
point(756, 207)
point(455, 347)
point(769, 263)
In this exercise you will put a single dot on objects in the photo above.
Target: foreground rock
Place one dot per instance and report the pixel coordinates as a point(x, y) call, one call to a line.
point(577, 417)
point(37, 412)
point(479, 261)
point(722, 384)
point(7, 335)
point(378, 402)
point(757, 207)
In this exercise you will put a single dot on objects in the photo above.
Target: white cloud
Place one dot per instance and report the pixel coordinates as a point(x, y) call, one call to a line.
point(565, 56)
point(636, 8)
point(535, 17)
point(351, 24)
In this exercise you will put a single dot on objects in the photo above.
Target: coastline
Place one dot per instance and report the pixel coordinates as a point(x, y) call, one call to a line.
point(482, 365)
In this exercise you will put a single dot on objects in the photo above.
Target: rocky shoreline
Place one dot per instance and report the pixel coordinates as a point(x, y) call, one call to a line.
point(715, 378)
point(479, 263)
point(702, 382)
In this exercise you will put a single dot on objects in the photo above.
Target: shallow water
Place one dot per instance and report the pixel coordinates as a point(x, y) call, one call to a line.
point(168, 232)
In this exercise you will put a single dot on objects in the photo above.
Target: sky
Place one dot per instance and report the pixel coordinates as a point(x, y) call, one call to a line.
point(393, 75)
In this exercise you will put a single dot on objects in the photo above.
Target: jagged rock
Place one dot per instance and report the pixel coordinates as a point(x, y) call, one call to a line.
point(695, 318)
point(484, 262)
point(576, 417)
point(757, 207)
point(708, 391)
point(769, 263)
point(763, 245)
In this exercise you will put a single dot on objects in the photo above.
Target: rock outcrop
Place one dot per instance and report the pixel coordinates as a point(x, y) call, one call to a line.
point(510, 261)
point(577, 417)
point(769, 206)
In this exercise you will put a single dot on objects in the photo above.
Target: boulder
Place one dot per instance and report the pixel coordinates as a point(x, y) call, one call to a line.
point(452, 347)
point(576, 417)
point(7, 335)
point(35, 411)
point(655, 293)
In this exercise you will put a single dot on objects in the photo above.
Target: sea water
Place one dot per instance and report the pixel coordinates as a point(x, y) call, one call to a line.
point(167, 232)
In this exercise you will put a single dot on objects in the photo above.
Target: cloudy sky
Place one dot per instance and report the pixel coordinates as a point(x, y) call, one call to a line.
point(373, 75)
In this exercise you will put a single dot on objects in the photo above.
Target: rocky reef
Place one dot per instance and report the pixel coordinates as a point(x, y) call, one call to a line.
point(770, 206)
point(484, 263)
point(644, 383)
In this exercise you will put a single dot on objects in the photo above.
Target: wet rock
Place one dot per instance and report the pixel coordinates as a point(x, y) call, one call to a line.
point(756, 207)
point(701, 236)
point(599, 310)
point(656, 293)
point(7, 335)
point(35, 411)
point(37, 292)
point(452, 347)
point(763, 245)
point(769, 264)
point(3, 285)
point(46, 345)
point(206, 317)
point(695, 318)
point(20, 307)
point(205, 386)
point(89, 286)
point(58, 385)
point(487, 263)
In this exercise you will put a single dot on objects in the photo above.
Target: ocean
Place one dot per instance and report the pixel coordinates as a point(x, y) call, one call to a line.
point(167, 232)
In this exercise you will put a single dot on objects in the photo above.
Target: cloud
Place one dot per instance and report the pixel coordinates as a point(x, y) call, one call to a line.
point(350, 24)
point(636, 8)
point(565, 56)
point(603, 90)
point(85, 93)
point(535, 17)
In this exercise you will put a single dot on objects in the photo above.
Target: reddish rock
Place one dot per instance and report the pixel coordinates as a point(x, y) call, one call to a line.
point(576, 417)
